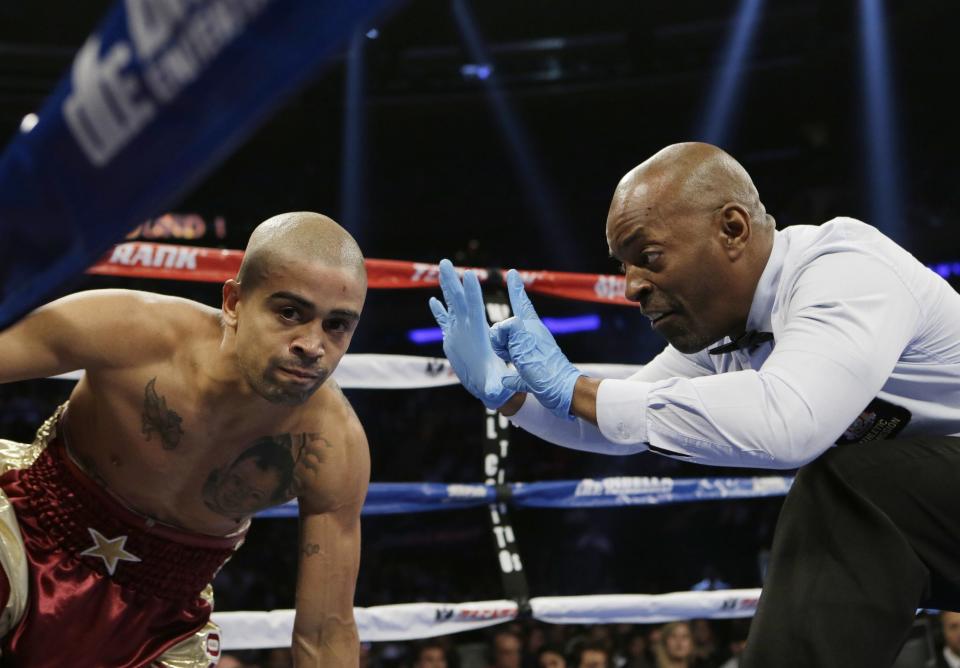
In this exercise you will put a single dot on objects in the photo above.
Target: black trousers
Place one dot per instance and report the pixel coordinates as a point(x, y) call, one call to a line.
point(868, 533)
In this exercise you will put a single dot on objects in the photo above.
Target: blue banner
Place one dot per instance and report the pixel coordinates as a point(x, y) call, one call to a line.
point(398, 497)
point(156, 97)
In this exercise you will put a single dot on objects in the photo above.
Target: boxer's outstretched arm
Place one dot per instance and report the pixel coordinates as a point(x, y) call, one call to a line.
point(91, 330)
point(332, 491)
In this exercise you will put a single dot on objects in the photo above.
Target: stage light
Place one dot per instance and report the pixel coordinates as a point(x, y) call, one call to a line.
point(715, 126)
point(588, 322)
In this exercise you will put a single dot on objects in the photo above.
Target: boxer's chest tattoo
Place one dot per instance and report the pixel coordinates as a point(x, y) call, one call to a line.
point(158, 419)
point(271, 471)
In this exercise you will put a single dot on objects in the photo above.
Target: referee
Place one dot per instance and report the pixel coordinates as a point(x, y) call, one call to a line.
point(782, 345)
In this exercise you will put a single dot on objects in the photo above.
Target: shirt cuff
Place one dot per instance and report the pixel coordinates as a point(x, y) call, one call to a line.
point(531, 413)
point(622, 410)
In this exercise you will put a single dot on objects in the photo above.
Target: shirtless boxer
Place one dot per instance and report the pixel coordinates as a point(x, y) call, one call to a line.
point(188, 420)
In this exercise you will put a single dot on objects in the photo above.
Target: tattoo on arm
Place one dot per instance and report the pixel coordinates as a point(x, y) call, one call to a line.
point(160, 419)
point(310, 549)
point(309, 461)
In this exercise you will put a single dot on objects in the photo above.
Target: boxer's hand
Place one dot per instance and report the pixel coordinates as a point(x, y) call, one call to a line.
point(542, 367)
point(466, 337)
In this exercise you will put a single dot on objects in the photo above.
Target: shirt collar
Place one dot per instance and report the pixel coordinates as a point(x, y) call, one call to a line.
point(952, 659)
point(762, 306)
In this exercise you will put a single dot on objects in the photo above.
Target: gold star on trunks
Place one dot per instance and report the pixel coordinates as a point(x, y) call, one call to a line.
point(109, 549)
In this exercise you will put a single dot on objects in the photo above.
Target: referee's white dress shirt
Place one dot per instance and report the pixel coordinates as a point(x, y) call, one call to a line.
point(866, 345)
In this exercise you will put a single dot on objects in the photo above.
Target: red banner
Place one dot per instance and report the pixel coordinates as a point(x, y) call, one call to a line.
point(189, 263)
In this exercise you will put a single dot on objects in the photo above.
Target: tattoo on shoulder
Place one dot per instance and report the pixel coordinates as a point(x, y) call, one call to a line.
point(265, 474)
point(159, 419)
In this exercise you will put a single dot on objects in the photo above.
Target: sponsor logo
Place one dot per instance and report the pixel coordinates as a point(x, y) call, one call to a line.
point(213, 644)
point(860, 426)
point(610, 287)
point(117, 92)
point(466, 491)
point(438, 366)
point(737, 604)
point(178, 226)
point(168, 257)
point(430, 273)
point(771, 485)
point(745, 487)
point(623, 485)
point(473, 614)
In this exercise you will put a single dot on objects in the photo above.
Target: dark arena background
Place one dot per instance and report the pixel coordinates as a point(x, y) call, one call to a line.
point(493, 133)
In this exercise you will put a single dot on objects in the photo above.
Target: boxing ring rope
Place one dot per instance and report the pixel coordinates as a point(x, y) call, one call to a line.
point(141, 259)
point(409, 621)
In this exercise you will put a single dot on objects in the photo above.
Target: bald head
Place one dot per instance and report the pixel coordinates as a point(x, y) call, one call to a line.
point(299, 236)
point(690, 176)
point(688, 226)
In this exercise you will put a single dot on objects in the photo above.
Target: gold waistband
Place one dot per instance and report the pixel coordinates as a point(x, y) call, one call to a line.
point(15, 455)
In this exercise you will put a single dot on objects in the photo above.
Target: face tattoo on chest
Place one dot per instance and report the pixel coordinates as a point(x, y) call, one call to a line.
point(267, 473)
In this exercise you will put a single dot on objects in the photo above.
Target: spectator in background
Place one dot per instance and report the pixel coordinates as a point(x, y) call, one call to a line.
point(551, 656)
point(431, 654)
point(949, 657)
point(602, 635)
point(506, 650)
point(634, 654)
point(654, 636)
point(736, 641)
point(675, 649)
point(592, 655)
point(705, 650)
point(535, 638)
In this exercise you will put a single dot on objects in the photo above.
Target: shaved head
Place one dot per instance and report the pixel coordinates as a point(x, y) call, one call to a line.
point(299, 235)
point(693, 238)
point(690, 176)
point(289, 316)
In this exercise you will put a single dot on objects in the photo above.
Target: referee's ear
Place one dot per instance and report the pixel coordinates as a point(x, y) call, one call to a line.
point(734, 228)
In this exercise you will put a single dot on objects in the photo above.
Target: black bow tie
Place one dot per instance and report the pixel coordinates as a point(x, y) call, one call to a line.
point(748, 340)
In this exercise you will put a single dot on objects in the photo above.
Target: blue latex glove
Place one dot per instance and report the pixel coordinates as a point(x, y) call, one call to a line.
point(542, 367)
point(466, 337)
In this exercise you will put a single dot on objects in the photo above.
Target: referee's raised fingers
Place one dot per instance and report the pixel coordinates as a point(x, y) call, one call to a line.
point(452, 289)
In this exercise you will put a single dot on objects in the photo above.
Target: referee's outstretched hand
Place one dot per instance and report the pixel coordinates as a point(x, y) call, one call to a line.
point(542, 368)
point(466, 337)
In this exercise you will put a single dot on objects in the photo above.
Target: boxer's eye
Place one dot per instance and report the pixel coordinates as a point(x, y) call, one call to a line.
point(290, 314)
point(338, 325)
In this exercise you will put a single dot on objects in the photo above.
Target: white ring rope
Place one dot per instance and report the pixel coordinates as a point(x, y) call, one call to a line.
point(409, 372)
point(411, 621)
